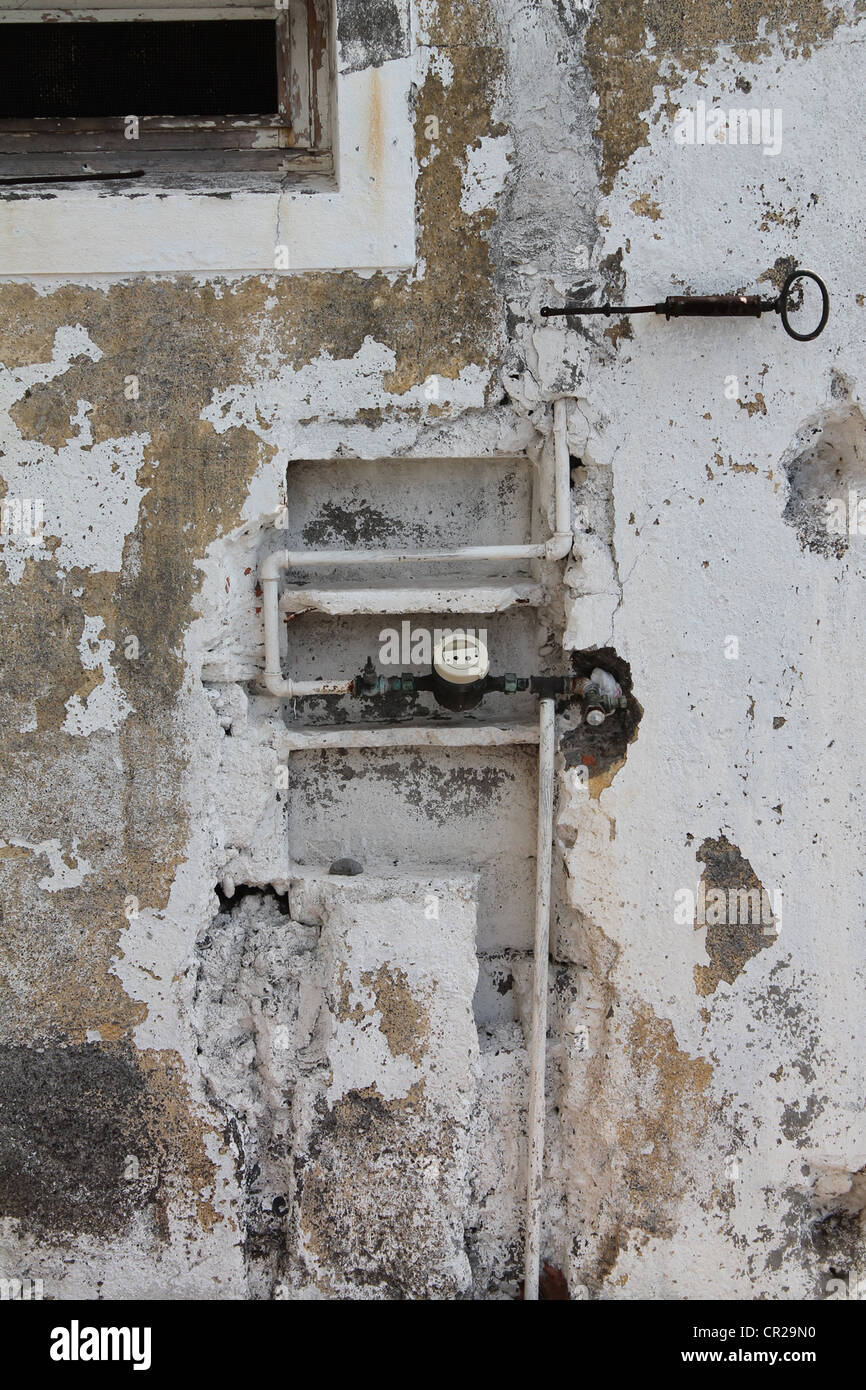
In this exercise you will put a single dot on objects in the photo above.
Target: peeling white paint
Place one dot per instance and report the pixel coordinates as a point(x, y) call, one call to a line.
point(106, 706)
point(325, 395)
point(63, 875)
point(486, 172)
point(89, 491)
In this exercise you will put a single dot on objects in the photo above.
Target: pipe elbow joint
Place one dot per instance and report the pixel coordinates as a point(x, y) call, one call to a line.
point(274, 565)
point(559, 546)
point(276, 684)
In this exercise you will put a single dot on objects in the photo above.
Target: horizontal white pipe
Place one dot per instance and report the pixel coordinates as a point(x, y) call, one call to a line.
point(538, 1030)
point(300, 689)
point(409, 736)
point(554, 548)
point(303, 690)
point(485, 596)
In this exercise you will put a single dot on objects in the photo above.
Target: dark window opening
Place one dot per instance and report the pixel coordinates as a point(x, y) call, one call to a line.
point(186, 68)
point(173, 103)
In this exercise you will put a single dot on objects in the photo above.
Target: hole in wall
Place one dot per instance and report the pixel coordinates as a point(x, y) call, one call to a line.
point(826, 472)
point(230, 902)
point(248, 1015)
point(837, 1232)
point(602, 750)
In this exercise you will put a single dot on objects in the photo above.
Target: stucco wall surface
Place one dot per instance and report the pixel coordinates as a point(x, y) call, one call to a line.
point(225, 1073)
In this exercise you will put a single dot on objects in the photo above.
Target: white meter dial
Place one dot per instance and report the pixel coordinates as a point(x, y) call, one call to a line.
point(461, 658)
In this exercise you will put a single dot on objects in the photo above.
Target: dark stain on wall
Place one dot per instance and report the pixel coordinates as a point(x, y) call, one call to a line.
point(363, 1193)
point(87, 1137)
point(730, 944)
point(351, 527)
point(372, 32)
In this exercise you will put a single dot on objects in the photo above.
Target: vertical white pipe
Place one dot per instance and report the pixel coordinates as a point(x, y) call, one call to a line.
point(561, 469)
point(538, 1032)
point(273, 676)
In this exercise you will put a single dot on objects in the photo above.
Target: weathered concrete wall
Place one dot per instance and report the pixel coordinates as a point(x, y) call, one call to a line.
point(195, 1087)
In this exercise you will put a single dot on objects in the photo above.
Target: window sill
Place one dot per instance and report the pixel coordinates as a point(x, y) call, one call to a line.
point(180, 172)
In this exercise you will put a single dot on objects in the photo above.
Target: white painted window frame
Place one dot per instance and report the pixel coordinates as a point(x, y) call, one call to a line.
point(360, 218)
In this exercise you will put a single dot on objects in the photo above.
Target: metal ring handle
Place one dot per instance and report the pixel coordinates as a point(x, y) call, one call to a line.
point(782, 304)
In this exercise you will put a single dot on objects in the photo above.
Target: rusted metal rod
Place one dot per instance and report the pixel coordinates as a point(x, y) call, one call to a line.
point(715, 306)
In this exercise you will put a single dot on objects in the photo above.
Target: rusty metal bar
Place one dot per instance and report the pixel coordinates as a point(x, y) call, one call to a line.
point(715, 306)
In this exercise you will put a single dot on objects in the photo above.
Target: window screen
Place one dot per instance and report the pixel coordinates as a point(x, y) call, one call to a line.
point(174, 68)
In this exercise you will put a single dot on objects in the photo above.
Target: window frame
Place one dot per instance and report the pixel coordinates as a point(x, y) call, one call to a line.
point(170, 150)
point(361, 216)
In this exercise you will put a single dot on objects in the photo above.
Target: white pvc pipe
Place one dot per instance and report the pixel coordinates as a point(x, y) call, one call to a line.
point(538, 1030)
point(485, 596)
point(562, 469)
point(297, 559)
point(270, 576)
point(300, 689)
